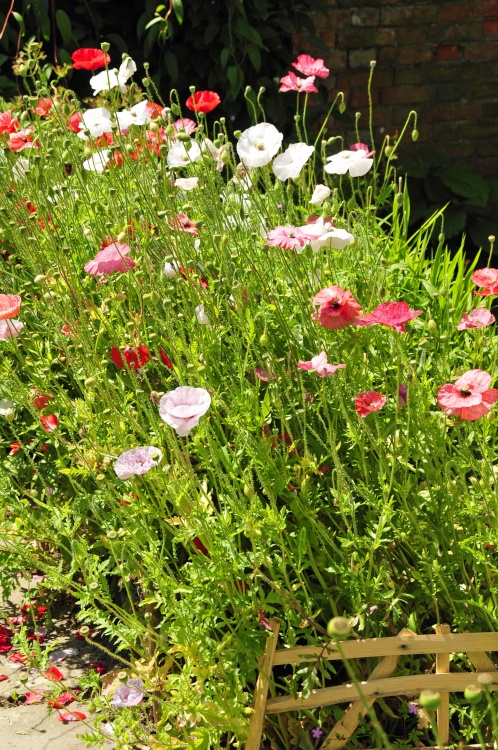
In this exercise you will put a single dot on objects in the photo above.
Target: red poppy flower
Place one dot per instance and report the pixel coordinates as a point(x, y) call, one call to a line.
point(10, 304)
point(488, 278)
point(154, 110)
point(7, 124)
point(134, 356)
point(337, 308)
point(99, 666)
point(49, 422)
point(41, 400)
point(3, 677)
point(14, 447)
point(166, 359)
point(477, 318)
point(53, 674)
point(200, 546)
point(87, 58)
point(23, 139)
point(73, 122)
point(183, 223)
point(64, 699)
point(391, 314)
point(203, 101)
point(18, 658)
point(44, 107)
point(33, 698)
point(65, 716)
point(368, 401)
point(470, 397)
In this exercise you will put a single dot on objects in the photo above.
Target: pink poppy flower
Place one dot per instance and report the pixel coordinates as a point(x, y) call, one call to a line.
point(32, 697)
point(183, 223)
point(391, 314)
point(288, 238)
point(73, 122)
point(23, 139)
point(308, 66)
point(137, 461)
point(49, 422)
point(65, 716)
point(10, 304)
point(320, 365)
point(185, 125)
point(7, 124)
point(44, 107)
point(368, 401)
point(337, 308)
point(10, 329)
point(129, 694)
point(363, 149)
point(291, 82)
point(470, 397)
point(64, 699)
point(477, 318)
point(264, 375)
point(488, 278)
point(109, 259)
point(402, 396)
point(183, 407)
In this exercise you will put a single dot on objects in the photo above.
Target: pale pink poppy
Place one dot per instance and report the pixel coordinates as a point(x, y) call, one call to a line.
point(391, 314)
point(264, 375)
point(477, 318)
point(363, 149)
point(10, 304)
point(291, 82)
point(137, 461)
point(338, 308)
point(111, 258)
point(308, 66)
point(369, 401)
point(469, 397)
point(183, 407)
point(9, 329)
point(288, 238)
point(488, 278)
point(320, 365)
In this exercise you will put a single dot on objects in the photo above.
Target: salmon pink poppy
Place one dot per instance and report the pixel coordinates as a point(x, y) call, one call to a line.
point(65, 716)
point(477, 318)
point(368, 401)
point(182, 408)
point(288, 238)
point(391, 314)
point(10, 304)
point(32, 697)
point(291, 82)
point(109, 259)
point(308, 66)
point(88, 58)
point(488, 278)
point(45, 105)
point(469, 397)
point(23, 139)
point(7, 123)
point(135, 357)
point(264, 375)
point(337, 308)
point(64, 699)
point(49, 422)
point(320, 365)
point(183, 223)
point(203, 101)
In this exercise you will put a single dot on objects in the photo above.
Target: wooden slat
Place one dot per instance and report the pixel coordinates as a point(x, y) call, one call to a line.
point(350, 718)
point(406, 685)
point(443, 712)
point(397, 645)
point(261, 693)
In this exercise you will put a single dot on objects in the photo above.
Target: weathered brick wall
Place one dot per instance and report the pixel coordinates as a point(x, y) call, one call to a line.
point(439, 58)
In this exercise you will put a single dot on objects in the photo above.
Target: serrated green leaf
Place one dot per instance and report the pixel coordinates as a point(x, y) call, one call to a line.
point(463, 181)
point(64, 25)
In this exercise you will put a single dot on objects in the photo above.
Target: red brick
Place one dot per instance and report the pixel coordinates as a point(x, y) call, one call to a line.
point(362, 58)
point(484, 89)
point(365, 16)
point(387, 56)
point(454, 11)
point(461, 32)
point(490, 27)
point(359, 99)
point(407, 35)
point(453, 91)
point(358, 79)
point(411, 14)
point(407, 95)
point(354, 38)
point(448, 131)
point(485, 9)
point(487, 166)
point(400, 114)
point(456, 149)
point(415, 55)
point(409, 76)
point(490, 109)
point(451, 111)
point(448, 52)
point(480, 51)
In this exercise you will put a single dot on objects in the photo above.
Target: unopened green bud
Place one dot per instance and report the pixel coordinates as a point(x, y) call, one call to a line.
point(342, 107)
point(430, 699)
point(339, 628)
point(264, 339)
point(9, 415)
point(105, 46)
point(237, 134)
point(415, 134)
point(432, 326)
point(121, 237)
point(39, 279)
point(89, 382)
point(399, 199)
point(145, 83)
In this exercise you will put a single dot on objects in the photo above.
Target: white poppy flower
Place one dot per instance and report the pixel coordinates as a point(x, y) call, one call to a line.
point(356, 163)
point(171, 270)
point(137, 115)
point(216, 153)
point(201, 316)
point(110, 79)
point(187, 183)
point(6, 407)
point(320, 194)
point(178, 156)
point(20, 168)
point(96, 122)
point(289, 164)
point(97, 162)
point(258, 145)
point(326, 235)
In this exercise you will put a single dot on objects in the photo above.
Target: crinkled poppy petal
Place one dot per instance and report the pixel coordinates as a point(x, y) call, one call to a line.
point(65, 716)
point(477, 380)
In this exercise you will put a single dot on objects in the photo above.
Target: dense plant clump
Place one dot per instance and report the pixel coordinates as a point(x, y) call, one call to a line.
point(231, 391)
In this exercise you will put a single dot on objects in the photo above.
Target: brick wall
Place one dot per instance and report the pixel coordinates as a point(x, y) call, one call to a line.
point(439, 58)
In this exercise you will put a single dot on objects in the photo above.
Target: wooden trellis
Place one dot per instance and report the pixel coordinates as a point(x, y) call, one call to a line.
point(380, 683)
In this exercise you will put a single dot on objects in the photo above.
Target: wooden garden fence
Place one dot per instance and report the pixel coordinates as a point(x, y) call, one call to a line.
point(380, 683)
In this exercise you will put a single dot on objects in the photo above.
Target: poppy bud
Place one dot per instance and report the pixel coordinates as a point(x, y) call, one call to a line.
point(339, 628)
point(183, 136)
point(430, 699)
point(399, 199)
point(342, 108)
point(237, 134)
point(9, 415)
point(90, 381)
point(432, 326)
point(414, 134)
point(105, 46)
point(473, 694)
